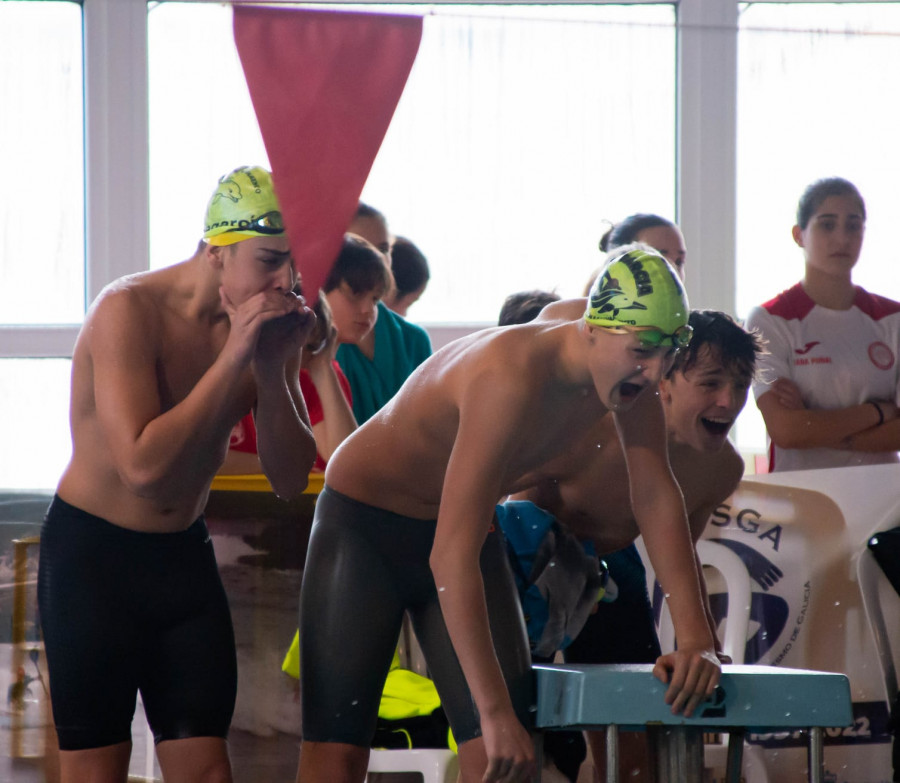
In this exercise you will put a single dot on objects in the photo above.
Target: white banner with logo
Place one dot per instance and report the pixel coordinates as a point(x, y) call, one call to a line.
point(800, 535)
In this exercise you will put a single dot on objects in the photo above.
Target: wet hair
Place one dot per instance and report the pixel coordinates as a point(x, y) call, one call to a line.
point(361, 266)
point(822, 189)
point(409, 267)
point(733, 346)
point(625, 231)
point(524, 306)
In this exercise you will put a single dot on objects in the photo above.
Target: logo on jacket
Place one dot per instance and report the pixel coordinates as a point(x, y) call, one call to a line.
point(881, 355)
point(806, 348)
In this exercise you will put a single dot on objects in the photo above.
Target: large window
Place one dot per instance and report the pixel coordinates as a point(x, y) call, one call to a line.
point(814, 100)
point(42, 198)
point(519, 132)
point(42, 259)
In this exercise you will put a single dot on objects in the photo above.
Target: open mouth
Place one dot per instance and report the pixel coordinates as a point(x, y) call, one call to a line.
point(629, 391)
point(716, 425)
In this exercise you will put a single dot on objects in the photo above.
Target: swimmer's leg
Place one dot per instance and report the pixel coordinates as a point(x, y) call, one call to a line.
point(332, 761)
point(108, 764)
point(351, 613)
point(513, 653)
point(194, 760)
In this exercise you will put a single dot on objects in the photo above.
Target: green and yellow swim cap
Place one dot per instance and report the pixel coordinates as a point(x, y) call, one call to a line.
point(638, 290)
point(243, 206)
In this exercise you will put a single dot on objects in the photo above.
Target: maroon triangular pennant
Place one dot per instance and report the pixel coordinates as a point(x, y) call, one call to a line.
point(324, 85)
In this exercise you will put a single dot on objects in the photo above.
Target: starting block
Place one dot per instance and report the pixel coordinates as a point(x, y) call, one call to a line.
point(748, 698)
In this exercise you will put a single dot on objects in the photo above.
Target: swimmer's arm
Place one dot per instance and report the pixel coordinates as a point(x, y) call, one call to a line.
point(338, 421)
point(693, 670)
point(794, 427)
point(284, 439)
point(720, 483)
point(159, 454)
point(473, 482)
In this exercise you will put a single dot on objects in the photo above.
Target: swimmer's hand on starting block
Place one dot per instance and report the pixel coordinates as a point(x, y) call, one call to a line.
point(692, 676)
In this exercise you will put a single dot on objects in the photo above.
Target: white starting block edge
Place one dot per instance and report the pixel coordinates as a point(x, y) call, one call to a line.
point(758, 698)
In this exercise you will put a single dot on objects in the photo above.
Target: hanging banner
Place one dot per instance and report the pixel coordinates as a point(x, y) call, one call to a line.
point(324, 85)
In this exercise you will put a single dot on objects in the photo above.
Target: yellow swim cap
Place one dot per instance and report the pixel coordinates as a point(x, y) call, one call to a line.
point(639, 290)
point(243, 206)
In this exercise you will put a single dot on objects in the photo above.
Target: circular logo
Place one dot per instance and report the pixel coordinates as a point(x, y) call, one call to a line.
point(881, 355)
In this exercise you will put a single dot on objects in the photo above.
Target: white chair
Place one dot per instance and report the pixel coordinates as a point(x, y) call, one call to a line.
point(737, 586)
point(734, 638)
point(435, 765)
point(870, 577)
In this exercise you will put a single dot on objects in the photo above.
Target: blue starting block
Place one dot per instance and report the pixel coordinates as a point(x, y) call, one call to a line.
point(748, 698)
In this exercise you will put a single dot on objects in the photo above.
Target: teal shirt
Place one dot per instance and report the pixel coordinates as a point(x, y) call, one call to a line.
point(400, 347)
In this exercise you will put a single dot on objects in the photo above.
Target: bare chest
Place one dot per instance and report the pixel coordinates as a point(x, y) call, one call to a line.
point(186, 354)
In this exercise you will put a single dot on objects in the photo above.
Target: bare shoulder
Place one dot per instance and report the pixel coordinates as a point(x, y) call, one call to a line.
point(127, 309)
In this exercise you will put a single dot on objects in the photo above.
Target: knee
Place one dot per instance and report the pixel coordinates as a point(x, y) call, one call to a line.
point(335, 762)
point(215, 772)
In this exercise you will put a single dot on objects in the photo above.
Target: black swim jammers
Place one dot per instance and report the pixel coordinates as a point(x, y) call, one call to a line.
point(124, 611)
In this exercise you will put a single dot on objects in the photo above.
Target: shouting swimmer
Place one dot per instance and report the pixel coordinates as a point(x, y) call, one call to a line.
point(405, 522)
point(167, 362)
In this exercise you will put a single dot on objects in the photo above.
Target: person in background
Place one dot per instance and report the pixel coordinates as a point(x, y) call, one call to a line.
point(411, 275)
point(130, 597)
point(355, 284)
point(379, 364)
point(829, 383)
point(522, 307)
point(661, 234)
point(406, 522)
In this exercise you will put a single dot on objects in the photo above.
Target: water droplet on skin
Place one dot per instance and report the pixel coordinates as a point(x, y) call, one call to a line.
point(441, 589)
point(599, 445)
point(837, 603)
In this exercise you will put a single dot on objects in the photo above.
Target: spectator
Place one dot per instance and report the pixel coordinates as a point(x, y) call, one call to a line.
point(829, 382)
point(524, 306)
point(411, 276)
point(378, 365)
point(661, 234)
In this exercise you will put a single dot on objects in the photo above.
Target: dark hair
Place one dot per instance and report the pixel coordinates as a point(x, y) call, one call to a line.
point(409, 267)
point(625, 231)
point(822, 189)
point(735, 347)
point(361, 266)
point(364, 210)
point(318, 337)
point(524, 306)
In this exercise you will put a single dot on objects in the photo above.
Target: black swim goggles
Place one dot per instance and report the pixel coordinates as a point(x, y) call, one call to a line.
point(652, 337)
point(271, 223)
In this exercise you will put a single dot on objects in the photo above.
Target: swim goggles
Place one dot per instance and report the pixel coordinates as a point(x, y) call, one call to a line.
point(269, 223)
point(652, 337)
